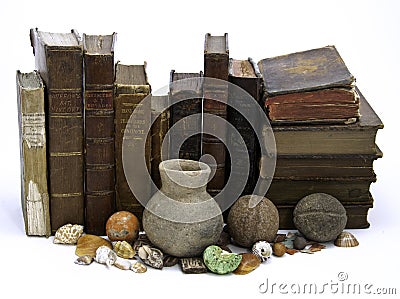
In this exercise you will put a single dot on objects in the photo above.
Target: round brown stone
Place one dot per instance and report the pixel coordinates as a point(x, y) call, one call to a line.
point(123, 226)
point(320, 217)
point(248, 223)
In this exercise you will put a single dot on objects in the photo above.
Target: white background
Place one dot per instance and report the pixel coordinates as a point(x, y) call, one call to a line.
point(170, 34)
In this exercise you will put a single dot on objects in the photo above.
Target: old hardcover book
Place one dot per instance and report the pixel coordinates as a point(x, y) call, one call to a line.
point(215, 94)
point(32, 137)
point(242, 108)
point(330, 139)
point(185, 96)
point(99, 131)
point(315, 166)
point(131, 88)
point(59, 60)
point(309, 86)
point(160, 115)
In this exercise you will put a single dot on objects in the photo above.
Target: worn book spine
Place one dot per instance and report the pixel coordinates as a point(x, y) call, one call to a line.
point(160, 125)
point(32, 137)
point(189, 91)
point(61, 68)
point(99, 132)
point(127, 99)
point(215, 98)
point(243, 75)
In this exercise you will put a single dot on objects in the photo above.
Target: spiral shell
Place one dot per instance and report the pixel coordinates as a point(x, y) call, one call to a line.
point(124, 249)
point(151, 256)
point(68, 234)
point(346, 239)
point(262, 249)
point(220, 261)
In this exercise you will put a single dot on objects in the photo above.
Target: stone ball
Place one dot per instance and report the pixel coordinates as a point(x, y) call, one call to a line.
point(123, 226)
point(253, 218)
point(320, 217)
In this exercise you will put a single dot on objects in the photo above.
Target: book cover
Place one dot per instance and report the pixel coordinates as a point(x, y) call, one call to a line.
point(131, 88)
point(187, 88)
point(59, 60)
point(32, 137)
point(309, 86)
point(99, 131)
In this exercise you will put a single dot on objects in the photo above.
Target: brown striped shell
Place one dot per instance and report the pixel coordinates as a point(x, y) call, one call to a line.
point(124, 249)
point(346, 239)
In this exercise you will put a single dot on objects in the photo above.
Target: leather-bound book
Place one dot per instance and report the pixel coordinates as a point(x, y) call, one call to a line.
point(32, 137)
point(131, 88)
point(59, 60)
point(185, 95)
point(242, 108)
point(312, 86)
point(160, 114)
point(99, 131)
point(215, 97)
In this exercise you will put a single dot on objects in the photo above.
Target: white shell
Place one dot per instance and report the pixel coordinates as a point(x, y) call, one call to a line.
point(262, 249)
point(122, 264)
point(68, 234)
point(105, 255)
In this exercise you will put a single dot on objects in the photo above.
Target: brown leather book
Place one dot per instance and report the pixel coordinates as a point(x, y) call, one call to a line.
point(242, 108)
point(59, 60)
point(32, 136)
point(160, 115)
point(131, 88)
point(186, 87)
point(99, 131)
point(311, 86)
point(215, 94)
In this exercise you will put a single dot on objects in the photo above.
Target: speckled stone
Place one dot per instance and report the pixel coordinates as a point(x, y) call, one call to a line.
point(320, 217)
point(122, 226)
point(247, 224)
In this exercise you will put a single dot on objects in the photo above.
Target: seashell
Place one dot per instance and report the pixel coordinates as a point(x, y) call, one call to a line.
point(220, 261)
point(346, 239)
point(279, 249)
point(88, 244)
point(170, 261)
point(249, 262)
point(105, 255)
point(138, 267)
point(84, 260)
point(124, 249)
point(141, 240)
point(151, 256)
point(122, 264)
point(262, 249)
point(68, 234)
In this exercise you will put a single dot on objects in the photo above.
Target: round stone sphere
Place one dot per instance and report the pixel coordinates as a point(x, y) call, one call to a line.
point(250, 222)
point(123, 226)
point(320, 217)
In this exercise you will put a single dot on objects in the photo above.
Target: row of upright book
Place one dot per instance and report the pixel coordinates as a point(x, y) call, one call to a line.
point(74, 113)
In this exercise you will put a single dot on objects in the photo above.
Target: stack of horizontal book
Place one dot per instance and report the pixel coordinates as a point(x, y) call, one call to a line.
point(324, 131)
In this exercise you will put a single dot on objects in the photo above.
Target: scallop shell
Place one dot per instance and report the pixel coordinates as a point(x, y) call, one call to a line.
point(151, 256)
point(105, 255)
point(346, 239)
point(122, 264)
point(124, 249)
point(220, 261)
point(138, 267)
point(262, 249)
point(68, 234)
point(84, 260)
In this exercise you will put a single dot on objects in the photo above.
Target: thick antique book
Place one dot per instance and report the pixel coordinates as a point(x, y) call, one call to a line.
point(242, 108)
point(335, 139)
point(99, 131)
point(185, 96)
point(59, 60)
point(32, 137)
point(160, 116)
point(131, 90)
point(309, 86)
point(215, 97)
